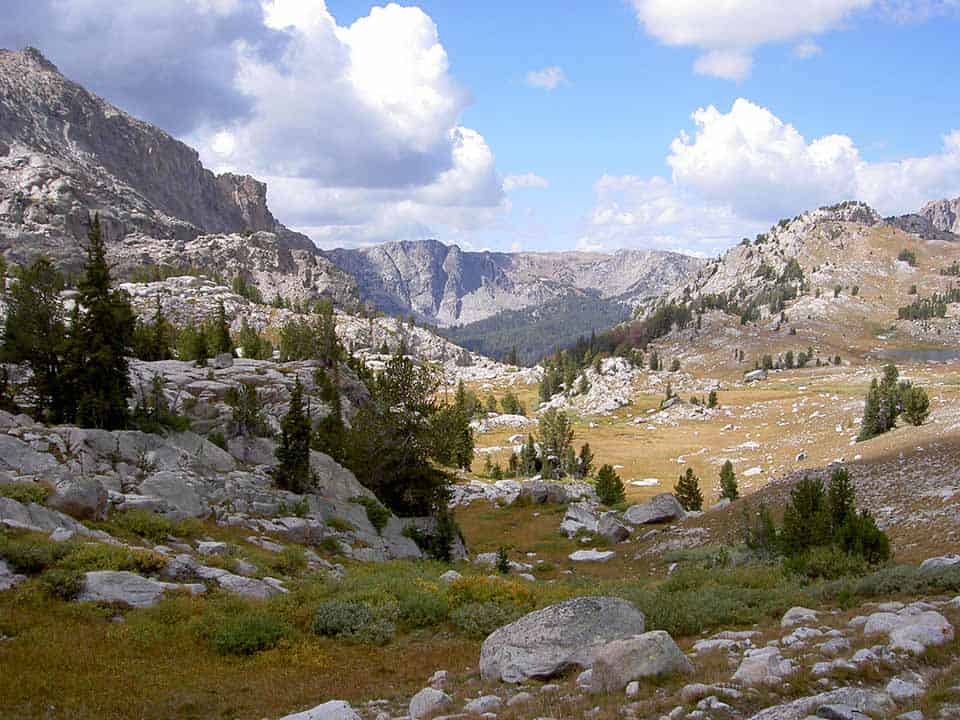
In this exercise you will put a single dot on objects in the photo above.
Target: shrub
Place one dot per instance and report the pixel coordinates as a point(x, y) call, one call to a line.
point(144, 523)
point(609, 486)
point(25, 492)
point(29, 554)
point(218, 439)
point(337, 617)
point(503, 562)
point(62, 584)
point(908, 256)
point(687, 491)
point(339, 524)
point(478, 620)
point(480, 589)
point(248, 633)
point(377, 514)
point(421, 606)
point(87, 557)
point(826, 563)
point(289, 561)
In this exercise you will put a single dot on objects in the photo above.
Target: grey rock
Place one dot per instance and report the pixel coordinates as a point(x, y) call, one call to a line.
point(81, 497)
point(840, 712)
point(450, 576)
point(19, 457)
point(662, 508)
point(178, 494)
point(903, 690)
point(763, 666)
point(591, 555)
point(333, 710)
point(866, 701)
point(126, 588)
point(797, 616)
point(652, 654)
point(521, 698)
point(940, 562)
point(8, 578)
point(546, 642)
point(483, 704)
point(429, 702)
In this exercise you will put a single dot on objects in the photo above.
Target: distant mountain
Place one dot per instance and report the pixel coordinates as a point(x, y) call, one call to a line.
point(64, 153)
point(447, 286)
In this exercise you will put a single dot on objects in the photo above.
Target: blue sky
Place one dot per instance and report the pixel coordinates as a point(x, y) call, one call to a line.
point(375, 123)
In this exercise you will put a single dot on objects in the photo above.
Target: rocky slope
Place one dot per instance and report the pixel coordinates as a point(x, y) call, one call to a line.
point(65, 153)
point(448, 286)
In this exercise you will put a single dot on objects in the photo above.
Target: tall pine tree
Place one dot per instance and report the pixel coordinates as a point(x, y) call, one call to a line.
point(293, 453)
point(100, 342)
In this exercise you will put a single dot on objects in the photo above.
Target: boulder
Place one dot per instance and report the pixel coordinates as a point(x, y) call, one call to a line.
point(763, 666)
point(591, 555)
point(548, 641)
point(662, 508)
point(611, 529)
point(652, 654)
point(579, 517)
point(8, 578)
point(126, 588)
point(180, 498)
point(919, 632)
point(940, 562)
point(22, 459)
point(333, 710)
point(798, 616)
point(38, 518)
point(81, 497)
point(483, 704)
point(872, 702)
point(428, 702)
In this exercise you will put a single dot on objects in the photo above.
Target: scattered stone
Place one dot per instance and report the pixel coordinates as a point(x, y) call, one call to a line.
point(126, 588)
point(763, 666)
point(333, 710)
point(429, 702)
point(520, 698)
point(438, 680)
point(483, 704)
point(870, 702)
point(798, 616)
point(450, 576)
point(9, 579)
point(591, 555)
point(902, 690)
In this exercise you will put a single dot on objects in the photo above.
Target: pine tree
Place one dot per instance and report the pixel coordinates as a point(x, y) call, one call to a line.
point(245, 405)
point(916, 405)
point(293, 453)
point(556, 435)
point(220, 335)
point(687, 491)
point(585, 461)
point(609, 486)
point(870, 427)
point(34, 334)
point(728, 482)
point(528, 457)
point(841, 499)
point(712, 399)
point(890, 390)
point(100, 343)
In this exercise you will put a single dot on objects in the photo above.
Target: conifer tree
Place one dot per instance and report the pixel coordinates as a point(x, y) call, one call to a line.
point(870, 426)
point(528, 457)
point(100, 342)
point(688, 492)
point(728, 482)
point(220, 335)
point(916, 405)
point(34, 334)
point(585, 461)
point(609, 486)
point(293, 453)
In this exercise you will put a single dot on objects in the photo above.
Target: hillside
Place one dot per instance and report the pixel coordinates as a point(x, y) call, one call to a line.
point(447, 286)
point(66, 153)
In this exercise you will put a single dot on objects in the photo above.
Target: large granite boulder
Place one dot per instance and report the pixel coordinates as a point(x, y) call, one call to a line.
point(548, 641)
point(81, 497)
point(127, 588)
point(333, 710)
point(662, 508)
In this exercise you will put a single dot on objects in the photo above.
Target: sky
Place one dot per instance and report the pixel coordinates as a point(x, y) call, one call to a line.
point(657, 124)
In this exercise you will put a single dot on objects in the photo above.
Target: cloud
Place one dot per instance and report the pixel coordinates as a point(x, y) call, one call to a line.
point(806, 50)
point(743, 170)
point(527, 180)
point(727, 32)
point(171, 62)
point(366, 113)
point(549, 78)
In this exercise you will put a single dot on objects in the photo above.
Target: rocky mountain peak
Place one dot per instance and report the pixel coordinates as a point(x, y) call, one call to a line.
point(943, 215)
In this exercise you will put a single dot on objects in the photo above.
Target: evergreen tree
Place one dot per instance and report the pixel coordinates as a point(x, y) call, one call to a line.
point(916, 405)
point(528, 458)
point(688, 492)
point(728, 482)
point(220, 335)
point(841, 499)
point(807, 520)
point(712, 399)
point(293, 453)
point(254, 345)
point(585, 461)
point(330, 437)
point(34, 334)
point(609, 486)
point(556, 436)
point(247, 417)
point(870, 426)
point(100, 343)
point(889, 399)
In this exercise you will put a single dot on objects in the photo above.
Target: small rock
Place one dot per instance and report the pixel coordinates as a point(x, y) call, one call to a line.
point(484, 704)
point(429, 702)
point(633, 689)
point(651, 654)
point(333, 710)
point(902, 690)
point(798, 616)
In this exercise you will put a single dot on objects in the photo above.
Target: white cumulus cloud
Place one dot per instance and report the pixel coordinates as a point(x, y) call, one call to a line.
point(526, 180)
point(728, 31)
point(741, 171)
point(549, 78)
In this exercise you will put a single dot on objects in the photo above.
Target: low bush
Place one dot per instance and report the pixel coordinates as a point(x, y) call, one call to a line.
point(826, 563)
point(292, 560)
point(25, 492)
point(248, 633)
point(480, 589)
point(421, 606)
point(377, 514)
point(61, 583)
point(31, 554)
point(478, 620)
point(145, 524)
point(88, 557)
point(353, 621)
point(896, 580)
point(339, 524)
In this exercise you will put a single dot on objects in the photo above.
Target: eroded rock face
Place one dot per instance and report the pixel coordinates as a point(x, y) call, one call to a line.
point(544, 643)
point(126, 588)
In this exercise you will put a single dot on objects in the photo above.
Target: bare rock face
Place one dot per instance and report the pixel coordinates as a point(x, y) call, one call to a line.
point(943, 215)
point(448, 286)
point(65, 153)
